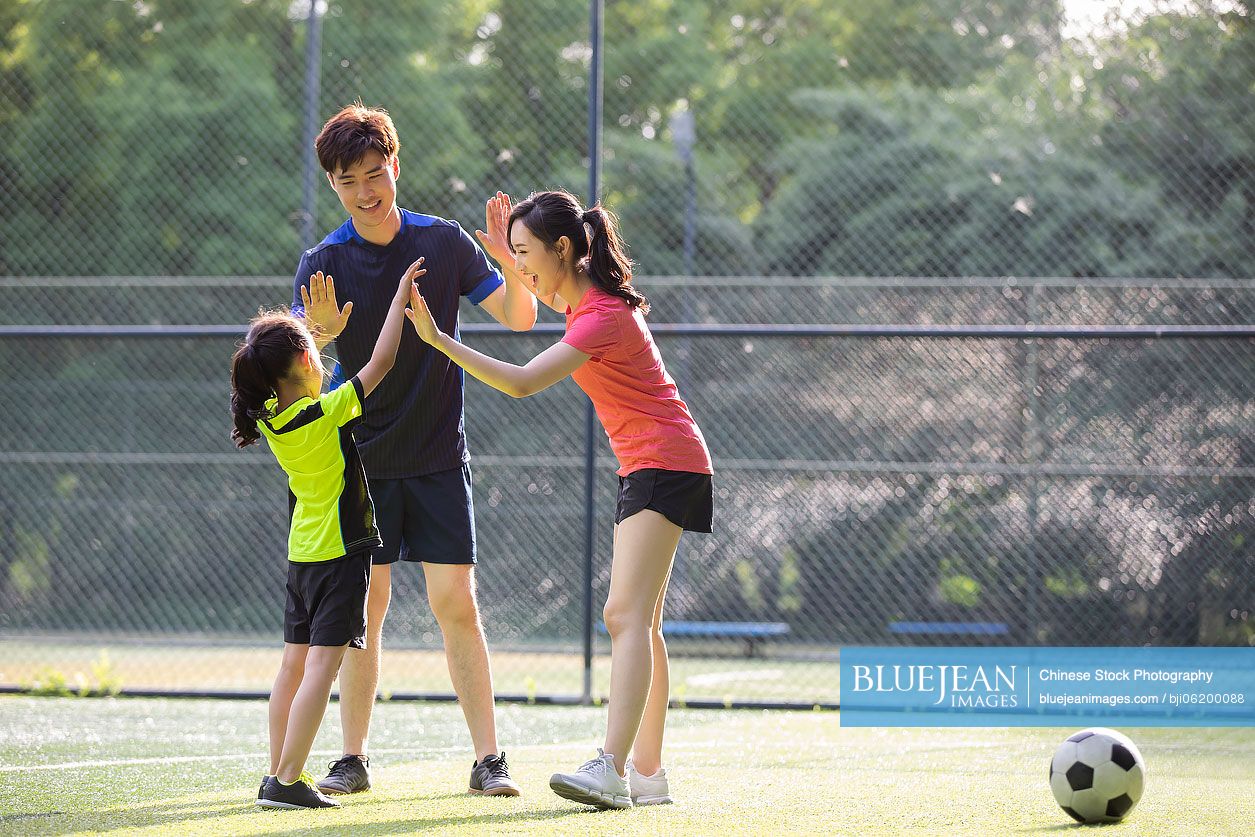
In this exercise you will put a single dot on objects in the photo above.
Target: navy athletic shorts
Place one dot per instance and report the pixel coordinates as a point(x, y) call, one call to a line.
point(429, 518)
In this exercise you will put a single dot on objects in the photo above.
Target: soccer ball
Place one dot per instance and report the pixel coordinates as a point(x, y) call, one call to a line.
point(1096, 775)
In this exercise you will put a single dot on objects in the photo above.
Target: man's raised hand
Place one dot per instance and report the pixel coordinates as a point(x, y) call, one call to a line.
point(323, 316)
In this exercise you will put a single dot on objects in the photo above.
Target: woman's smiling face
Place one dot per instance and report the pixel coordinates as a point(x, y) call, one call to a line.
point(538, 264)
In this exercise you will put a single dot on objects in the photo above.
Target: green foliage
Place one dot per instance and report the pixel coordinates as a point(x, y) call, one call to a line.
point(1069, 583)
point(149, 109)
point(943, 138)
point(955, 587)
point(107, 680)
point(50, 682)
point(790, 592)
point(28, 571)
point(747, 580)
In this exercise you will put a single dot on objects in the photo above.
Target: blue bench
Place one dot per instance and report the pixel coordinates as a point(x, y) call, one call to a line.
point(751, 632)
point(950, 628)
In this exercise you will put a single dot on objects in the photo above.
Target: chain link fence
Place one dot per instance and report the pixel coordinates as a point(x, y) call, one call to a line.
point(805, 162)
point(1063, 491)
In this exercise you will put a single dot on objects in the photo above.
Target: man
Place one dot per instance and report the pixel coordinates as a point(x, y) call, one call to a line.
point(412, 444)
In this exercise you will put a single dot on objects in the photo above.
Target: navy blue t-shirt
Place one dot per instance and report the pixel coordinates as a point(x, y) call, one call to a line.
point(414, 418)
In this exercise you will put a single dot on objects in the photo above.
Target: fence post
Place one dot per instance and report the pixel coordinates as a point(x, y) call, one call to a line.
point(313, 51)
point(1033, 575)
point(590, 417)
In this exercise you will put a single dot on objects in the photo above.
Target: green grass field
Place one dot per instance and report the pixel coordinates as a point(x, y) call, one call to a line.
point(134, 765)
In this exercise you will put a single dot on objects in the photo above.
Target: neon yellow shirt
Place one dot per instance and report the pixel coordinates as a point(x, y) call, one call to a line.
point(329, 502)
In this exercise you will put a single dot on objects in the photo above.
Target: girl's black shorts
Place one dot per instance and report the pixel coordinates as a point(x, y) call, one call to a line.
point(683, 497)
point(327, 601)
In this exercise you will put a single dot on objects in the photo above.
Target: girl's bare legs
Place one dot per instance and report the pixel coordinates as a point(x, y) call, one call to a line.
point(645, 545)
point(287, 681)
point(308, 706)
point(647, 752)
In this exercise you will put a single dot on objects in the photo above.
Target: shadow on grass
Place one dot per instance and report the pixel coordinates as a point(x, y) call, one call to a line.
point(1068, 826)
point(410, 825)
point(37, 815)
point(137, 817)
point(167, 814)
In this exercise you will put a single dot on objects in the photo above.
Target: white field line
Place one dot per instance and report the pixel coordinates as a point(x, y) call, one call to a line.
point(720, 677)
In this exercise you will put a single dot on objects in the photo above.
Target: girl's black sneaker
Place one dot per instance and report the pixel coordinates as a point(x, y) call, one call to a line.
point(299, 794)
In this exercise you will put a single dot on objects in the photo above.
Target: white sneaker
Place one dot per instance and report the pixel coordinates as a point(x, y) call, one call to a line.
point(649, 790)
point(596, 783)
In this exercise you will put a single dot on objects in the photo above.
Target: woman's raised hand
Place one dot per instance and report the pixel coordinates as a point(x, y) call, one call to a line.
point(420, 316)
point(497, 220)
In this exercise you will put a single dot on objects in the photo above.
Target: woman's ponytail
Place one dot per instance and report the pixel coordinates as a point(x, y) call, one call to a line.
point(608, 264)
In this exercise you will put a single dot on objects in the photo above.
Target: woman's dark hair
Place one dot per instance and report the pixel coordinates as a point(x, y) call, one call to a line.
point(275, 339)
point(551, 215)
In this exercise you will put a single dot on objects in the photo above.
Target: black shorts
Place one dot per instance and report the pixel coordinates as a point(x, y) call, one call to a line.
point(327, 601)
point(684, 498)
point(429, 518)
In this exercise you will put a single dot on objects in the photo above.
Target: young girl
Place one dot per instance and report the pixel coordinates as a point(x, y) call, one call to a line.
point(575, 264)
point(276, 391)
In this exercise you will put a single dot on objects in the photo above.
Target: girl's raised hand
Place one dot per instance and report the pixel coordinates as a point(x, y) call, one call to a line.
point(420, 316)
point(408, 278)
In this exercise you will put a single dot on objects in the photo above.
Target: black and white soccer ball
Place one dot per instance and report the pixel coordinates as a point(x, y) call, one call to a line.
point(1097, 775)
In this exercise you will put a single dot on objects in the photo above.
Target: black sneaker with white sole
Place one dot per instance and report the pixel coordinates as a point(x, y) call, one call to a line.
point(299, 794)
point(491, 777)
point(350, 774)
point(262, 789)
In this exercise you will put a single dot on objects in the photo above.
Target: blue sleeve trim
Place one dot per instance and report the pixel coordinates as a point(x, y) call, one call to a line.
point(485, 288)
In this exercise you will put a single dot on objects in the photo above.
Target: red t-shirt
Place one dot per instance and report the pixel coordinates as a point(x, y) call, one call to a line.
point(637, 401)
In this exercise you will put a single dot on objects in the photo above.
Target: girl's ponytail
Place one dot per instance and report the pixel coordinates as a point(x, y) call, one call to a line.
point(275, 339)
point(249, 393)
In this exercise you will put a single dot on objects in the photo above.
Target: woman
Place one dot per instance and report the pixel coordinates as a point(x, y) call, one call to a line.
point(576, 264)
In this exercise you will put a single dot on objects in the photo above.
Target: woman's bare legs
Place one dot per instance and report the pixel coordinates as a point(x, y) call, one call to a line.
point(645, 545)
point(647, 752)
